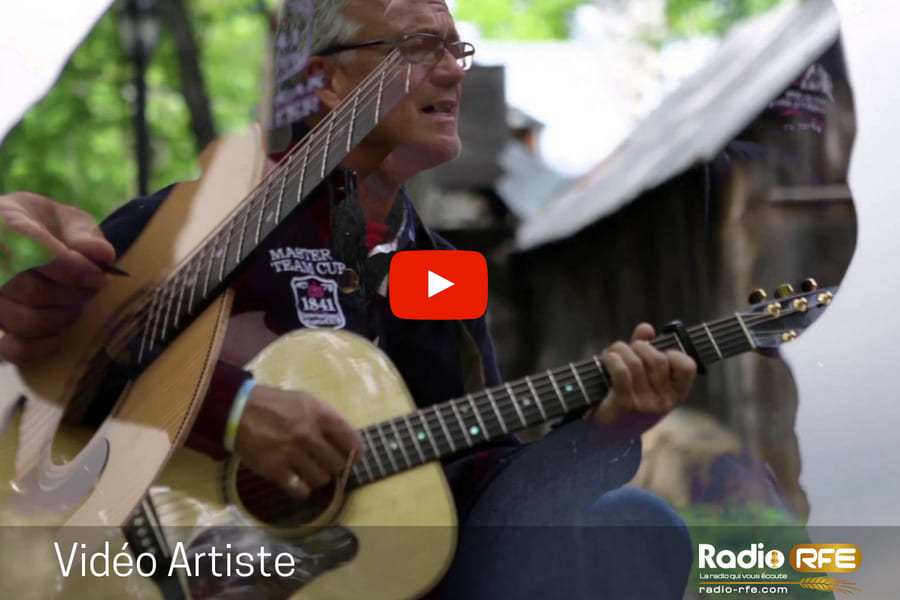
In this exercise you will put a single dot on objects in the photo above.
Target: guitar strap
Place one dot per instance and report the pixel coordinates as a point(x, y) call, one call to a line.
point(348, 245)
point(470, 357)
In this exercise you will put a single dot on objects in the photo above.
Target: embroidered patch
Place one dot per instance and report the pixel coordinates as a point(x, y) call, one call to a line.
point(317, 302)
point(308, 261)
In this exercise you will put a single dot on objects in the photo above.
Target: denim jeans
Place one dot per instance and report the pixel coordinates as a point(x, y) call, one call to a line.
point(556, 522)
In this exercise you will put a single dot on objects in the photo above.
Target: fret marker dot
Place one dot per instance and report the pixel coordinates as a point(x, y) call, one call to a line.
point(570, 388)
point(393, 445)
point(474, 430)
point(464, 408)
point(421, 435)
point(526, 401)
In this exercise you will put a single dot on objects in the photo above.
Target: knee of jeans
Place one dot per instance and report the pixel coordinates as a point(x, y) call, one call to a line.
point(650, 528)
point(634, 506)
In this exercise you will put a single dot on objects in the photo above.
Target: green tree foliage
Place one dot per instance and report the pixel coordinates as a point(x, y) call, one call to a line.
point(77, 144)
point(692, 17)
point(519, 19)
point(550, 19)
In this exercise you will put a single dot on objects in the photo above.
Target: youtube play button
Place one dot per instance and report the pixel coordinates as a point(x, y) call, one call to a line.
point(438, 285)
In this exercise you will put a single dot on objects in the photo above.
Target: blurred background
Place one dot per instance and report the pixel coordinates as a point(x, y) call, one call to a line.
point(558, 91)
point(157, 80)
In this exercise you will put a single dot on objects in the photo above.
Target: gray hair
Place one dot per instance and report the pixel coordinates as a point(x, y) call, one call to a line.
point(331, 26)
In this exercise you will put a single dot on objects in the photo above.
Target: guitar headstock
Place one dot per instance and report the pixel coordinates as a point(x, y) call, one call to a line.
point(773, 322)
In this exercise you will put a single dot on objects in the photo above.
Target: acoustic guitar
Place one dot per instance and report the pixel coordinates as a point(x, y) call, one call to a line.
point(166, 320)
point(385, 530)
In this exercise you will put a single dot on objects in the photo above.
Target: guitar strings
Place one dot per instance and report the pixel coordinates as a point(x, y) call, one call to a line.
point(736, 331)
point(163, 294)
point(726, 333)
point(508, 414)
point(378, 444)
point(254, 199)
point(258, 199)
point(377, 440)
point(263, 187)
point(259, 196)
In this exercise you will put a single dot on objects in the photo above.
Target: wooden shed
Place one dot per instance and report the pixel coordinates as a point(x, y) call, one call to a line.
point(771, 208)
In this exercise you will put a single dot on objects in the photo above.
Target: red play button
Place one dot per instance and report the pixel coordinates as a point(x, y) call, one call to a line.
point(438, 284)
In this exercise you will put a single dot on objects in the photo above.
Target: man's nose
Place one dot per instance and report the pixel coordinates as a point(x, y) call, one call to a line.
point(447, 72)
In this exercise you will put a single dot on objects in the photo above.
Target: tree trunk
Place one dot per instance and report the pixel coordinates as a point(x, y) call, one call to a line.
point(193, 84)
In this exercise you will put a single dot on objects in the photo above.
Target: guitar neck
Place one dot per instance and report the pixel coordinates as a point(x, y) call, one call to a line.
point(171, 306)
point(443, 429)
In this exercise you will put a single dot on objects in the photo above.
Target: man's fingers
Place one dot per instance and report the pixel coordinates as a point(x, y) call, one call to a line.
point(656, 367)
point(33, 289)
point(19, 351)
point(74, 270)
point(644, 380)
point(342, 435)
point(294, 485)
point(68, 265)
point(69, 233)
point(23, 225)
point(28, 323)
point(643, 332)
point(637, 372)
point(619, 373)
point(326, 456)
point(79, 232)
point(683, 370)
point(312, 474)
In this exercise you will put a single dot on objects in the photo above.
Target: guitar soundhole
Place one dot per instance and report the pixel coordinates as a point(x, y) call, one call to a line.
point(269, 503)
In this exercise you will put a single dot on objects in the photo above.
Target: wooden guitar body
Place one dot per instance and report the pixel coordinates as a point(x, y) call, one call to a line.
point(403, 527)
point(101, 482)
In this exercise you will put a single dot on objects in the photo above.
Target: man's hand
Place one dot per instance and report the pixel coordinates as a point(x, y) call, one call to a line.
point(645, 382)
point(38, 304)
point(295, 440)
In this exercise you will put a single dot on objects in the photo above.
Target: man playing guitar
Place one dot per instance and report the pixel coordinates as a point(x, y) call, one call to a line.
point(339, 248)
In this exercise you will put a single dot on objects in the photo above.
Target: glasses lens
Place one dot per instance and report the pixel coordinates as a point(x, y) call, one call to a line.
point(463, 52)
point(422, 49)
point(429, 49)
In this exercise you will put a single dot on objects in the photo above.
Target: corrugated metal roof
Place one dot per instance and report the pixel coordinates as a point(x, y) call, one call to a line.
point(756, 62)
point(528, 183)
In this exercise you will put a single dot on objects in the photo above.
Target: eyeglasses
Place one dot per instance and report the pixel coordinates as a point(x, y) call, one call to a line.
point(421, 48)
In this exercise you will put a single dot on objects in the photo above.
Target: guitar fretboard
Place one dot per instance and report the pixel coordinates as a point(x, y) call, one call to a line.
point(171, 306)
point(443, 429)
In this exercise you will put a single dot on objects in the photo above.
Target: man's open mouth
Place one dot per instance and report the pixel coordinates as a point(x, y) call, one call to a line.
point(440, 108)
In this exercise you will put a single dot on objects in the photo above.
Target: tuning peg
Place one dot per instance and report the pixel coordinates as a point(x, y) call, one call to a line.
point(784, 290)
point(757, 296)
point(809, 285)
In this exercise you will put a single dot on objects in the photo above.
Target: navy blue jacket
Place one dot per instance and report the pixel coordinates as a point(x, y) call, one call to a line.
point(316, 271)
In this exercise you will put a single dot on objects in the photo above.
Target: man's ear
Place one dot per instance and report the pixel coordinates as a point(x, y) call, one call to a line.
point(328, 94)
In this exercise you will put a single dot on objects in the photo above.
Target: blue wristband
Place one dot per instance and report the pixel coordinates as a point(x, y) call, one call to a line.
point(237, 411)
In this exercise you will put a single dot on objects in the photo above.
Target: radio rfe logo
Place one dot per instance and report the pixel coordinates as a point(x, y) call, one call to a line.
point(804, 558)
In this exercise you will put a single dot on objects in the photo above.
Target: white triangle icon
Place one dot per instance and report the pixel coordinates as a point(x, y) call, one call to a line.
point(437, 284)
